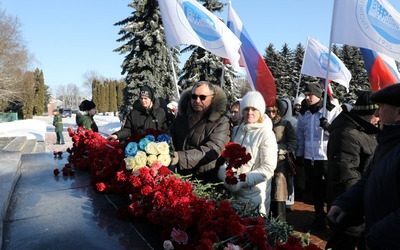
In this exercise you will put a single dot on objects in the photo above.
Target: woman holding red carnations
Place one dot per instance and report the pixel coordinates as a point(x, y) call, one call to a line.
point(256, 135)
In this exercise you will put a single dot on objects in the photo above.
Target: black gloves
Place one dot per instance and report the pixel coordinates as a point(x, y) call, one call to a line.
point(323, 123)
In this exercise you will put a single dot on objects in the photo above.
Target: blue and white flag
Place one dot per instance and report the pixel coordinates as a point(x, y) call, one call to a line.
point(370, 24)
point(315, 63)
point(188, 22)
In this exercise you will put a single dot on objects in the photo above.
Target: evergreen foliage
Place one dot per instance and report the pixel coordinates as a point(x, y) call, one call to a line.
point(120, 93)
point(352, 58)
point(285, 83)
point(39, 93)
point(285, 66)
point(147, 60)
point(107, 94)
point(26, 111)
point(112, 90)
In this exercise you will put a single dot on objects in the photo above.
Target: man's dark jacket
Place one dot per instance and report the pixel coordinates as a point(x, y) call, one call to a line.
point(200, 145)
point(377, 194)
point(351, 146)
point(140, 119)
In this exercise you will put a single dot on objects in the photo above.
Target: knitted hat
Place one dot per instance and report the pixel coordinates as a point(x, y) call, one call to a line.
point(147, 91)
point(364, 104)
point(253, 99)
point(314, 89)
point(87, 105)
point(388, 95)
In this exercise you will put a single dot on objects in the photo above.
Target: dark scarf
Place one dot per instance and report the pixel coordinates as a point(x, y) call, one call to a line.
point(316, 107)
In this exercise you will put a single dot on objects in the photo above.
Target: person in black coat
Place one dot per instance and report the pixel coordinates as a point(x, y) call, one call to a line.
point(377, 194)
point(351, 147)
point(145, 114)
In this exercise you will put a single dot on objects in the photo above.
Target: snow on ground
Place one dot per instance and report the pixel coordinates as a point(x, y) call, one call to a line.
point(107, 124)
point(31, 128)
point(37, 127)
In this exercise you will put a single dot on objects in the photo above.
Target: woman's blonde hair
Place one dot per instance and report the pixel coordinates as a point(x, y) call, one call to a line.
point(261, 119)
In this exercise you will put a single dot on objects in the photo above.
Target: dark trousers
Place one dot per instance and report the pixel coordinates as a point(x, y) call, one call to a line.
point(316, 181)
point(60, 137)
point(340, 240)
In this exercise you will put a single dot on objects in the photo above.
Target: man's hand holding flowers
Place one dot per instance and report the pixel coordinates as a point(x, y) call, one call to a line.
point(174, 162)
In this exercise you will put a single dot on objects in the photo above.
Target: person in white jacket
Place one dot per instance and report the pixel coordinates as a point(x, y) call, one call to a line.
point(256, 135)
point(312, 140)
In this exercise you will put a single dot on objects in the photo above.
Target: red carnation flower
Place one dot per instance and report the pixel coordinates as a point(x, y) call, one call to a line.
point(101, 187)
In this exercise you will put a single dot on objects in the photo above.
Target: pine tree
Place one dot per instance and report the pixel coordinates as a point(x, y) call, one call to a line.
point(113, 96)
point(39, 93)
point(351, 57)
point(120, 93)
point(205, 66)
point(284, 84)
point(96, 93)
point(28, 95)
point(272, 59)
point(298, 55)
point(147, 61)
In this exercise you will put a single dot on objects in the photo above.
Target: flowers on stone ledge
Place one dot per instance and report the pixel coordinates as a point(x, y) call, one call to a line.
point(185, 220)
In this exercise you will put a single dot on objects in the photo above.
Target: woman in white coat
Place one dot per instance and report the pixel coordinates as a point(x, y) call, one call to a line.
point(256, 135)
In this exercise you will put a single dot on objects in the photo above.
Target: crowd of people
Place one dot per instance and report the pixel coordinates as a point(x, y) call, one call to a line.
point(346, 157)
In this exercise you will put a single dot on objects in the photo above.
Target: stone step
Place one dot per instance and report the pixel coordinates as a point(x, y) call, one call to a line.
point(29, 147)
point(17, 144)
point(10, 172)
point(40, 147)
point(4, 141)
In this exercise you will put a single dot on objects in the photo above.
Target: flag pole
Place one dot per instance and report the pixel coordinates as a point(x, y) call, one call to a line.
point(324, 111)
point(328, 66)
point(302, 64)
point(222, 80)
point(173, 72)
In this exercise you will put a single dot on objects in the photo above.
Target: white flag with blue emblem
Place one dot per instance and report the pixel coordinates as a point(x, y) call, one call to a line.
point(370, 24)
point(315, 63)
point(188, 22)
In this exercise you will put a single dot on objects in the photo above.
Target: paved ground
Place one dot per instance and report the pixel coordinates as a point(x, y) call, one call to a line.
point(50, 140)
point(49, 212)
point(4, 141)
point(301, 218)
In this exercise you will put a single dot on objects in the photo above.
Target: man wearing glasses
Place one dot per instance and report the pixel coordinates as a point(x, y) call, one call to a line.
point(200, 131)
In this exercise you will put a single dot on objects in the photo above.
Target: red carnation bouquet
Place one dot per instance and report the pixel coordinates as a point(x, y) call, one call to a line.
point(235, 156)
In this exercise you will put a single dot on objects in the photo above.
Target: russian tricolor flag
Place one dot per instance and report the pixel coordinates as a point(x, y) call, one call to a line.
point(382, 70)
point(258, 73)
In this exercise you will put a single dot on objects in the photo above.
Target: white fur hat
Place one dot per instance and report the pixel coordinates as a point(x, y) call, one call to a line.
point(253, 99)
